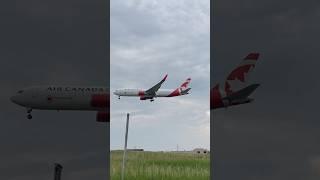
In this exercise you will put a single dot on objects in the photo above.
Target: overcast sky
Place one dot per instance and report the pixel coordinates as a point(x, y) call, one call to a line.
point(277, 136)
point(52, 42)
point(65, 42)
point(148, 40)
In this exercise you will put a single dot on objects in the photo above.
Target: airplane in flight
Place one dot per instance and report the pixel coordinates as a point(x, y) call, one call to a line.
point(65, 98)
point(236, 89)
point(155, 91)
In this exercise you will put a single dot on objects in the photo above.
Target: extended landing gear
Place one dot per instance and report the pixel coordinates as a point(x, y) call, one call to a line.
point(118, 97)
point(29, 116)
point(151, 100)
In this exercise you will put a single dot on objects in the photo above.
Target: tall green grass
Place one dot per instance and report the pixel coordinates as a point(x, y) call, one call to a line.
point(161, 166)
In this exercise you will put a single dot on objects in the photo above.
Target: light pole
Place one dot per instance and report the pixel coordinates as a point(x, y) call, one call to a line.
point(57, 171)
point(125, 149)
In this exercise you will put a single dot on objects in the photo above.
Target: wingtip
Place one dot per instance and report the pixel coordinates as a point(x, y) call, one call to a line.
point(165, 77)
point(255, 86)
point(252, 56)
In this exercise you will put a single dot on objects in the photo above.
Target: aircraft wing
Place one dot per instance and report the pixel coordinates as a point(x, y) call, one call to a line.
point(243, 93)
point(155, 88)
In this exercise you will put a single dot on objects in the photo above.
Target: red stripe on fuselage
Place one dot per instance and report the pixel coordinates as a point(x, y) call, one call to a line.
point(100, 100)
point(141, 93)
point(215, 98)
point(103, 116)
point(175, 93)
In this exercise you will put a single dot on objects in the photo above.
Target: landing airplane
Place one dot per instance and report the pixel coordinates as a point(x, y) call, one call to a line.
point(65, 98)
point(236, 89)
point(155, 91)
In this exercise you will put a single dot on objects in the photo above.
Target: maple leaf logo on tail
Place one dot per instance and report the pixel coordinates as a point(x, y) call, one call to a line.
point(184, 85)
point(182, 90)
point(238, 78)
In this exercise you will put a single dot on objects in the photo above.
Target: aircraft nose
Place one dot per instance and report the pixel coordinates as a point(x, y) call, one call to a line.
point(14, 99)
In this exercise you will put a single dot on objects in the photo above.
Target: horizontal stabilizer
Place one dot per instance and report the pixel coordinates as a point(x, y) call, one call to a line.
point(186, 91)
point(243, 93)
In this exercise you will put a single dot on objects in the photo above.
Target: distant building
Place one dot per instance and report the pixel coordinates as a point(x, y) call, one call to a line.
point(200, 151)
point(135, 149)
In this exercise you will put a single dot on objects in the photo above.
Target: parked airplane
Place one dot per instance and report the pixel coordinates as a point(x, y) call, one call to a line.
point(65, 98)
point(236, 89)
point(155, 91)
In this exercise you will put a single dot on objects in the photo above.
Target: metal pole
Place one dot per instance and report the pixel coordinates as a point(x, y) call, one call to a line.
point(57, 171)
point(125, 149)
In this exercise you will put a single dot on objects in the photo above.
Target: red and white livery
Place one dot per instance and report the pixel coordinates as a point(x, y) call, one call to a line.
point(155, 91)
point(236, 89)
point(65, 98)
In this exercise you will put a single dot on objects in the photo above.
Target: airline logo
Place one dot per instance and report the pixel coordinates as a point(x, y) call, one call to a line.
point(236, 80)
point(236, 88)
point(82, 89)
point(184, 86)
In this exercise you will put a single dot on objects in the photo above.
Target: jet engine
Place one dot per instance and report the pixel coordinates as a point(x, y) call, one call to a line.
point(145, 98)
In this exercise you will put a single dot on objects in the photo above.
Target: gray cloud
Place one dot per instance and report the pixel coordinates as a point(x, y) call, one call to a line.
point(148, 40)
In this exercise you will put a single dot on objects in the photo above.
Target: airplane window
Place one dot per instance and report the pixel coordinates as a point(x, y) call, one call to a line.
point(21, 91)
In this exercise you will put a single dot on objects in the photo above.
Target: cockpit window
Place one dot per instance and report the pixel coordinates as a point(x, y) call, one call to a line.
point(20, 92)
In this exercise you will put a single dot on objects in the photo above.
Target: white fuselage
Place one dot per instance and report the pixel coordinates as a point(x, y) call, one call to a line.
point(63, 98)
point(141, 92)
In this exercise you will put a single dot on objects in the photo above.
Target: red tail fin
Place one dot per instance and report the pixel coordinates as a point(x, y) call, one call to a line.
point(184, 85)
point(237, 79)
point(182, 90)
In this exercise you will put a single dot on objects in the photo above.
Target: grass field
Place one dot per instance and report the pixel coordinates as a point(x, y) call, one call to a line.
point(161, 166)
